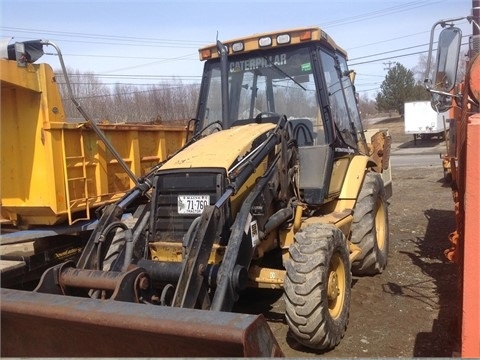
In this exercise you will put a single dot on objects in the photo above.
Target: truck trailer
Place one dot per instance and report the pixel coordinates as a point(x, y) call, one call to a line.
point(423, 122)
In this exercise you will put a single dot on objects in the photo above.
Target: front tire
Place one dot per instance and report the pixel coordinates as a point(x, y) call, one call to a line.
point(370, 227)
point(318, 286)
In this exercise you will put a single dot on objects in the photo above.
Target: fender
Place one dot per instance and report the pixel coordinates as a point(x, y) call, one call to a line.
point(353, 182)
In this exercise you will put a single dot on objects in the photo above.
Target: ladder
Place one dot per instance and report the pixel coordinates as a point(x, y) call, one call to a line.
point(76, 182)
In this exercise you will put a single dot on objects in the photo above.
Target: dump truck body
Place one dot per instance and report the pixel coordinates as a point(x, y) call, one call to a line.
point(55, 173)
point(41, 146)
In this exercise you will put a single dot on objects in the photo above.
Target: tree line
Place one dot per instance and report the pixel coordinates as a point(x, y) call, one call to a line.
point(119, 103)
point(174, 100)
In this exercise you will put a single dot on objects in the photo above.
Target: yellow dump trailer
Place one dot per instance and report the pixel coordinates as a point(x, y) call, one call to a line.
point(53, 170)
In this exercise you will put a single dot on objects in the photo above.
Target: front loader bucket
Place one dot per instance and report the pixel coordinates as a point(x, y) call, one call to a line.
point(46, 325)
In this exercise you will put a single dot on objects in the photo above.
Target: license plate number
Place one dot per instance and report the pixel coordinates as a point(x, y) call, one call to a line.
point(192, 204)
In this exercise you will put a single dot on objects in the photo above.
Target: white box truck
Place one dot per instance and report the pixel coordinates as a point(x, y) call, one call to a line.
point(423, 122)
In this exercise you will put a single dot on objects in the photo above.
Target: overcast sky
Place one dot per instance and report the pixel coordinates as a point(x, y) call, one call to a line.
point(150, 41)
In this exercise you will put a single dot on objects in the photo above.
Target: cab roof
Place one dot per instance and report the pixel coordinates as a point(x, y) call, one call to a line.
point(271, 40)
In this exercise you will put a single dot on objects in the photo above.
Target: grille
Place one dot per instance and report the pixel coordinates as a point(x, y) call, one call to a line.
point(168, 224)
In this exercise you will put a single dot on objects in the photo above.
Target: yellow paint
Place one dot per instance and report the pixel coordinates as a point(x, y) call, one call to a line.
point(51, 168)
point(342, 220)
point(220, 149)
point(251, 42)
point(352, 183)
point(339, 170)
point(263, 277)
point(172, 252)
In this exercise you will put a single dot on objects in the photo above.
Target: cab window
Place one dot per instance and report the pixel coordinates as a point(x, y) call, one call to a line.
point(339, 109)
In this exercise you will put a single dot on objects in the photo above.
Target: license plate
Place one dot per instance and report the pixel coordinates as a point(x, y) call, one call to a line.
point(192, 204)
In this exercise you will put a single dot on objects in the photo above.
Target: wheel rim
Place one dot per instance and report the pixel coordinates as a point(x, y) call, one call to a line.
point(380, 224)
point(336, 286)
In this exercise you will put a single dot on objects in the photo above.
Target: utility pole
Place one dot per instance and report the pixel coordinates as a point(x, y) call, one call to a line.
point(388, 64)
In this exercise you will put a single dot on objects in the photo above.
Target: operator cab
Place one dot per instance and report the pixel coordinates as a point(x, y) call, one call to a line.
point(299, 73)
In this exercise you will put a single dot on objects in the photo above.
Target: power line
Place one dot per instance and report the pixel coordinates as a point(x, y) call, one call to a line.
point(377, 13)
point(134, 57)
point(402, 49)
point(396, 38)
point(365, 90)
point(149, 63)
point(185, 57)
point(392, 57)
point(139, 41)
point(121, 40)
point(388, 52)
point(387, 40)
point(382, 76)
point(174, 43)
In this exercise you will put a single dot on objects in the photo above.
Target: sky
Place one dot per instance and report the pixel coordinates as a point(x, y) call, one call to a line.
point(147, 41)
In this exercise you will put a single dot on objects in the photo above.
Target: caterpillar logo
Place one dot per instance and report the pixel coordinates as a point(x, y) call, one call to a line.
point(259, 62)
point(62, 255)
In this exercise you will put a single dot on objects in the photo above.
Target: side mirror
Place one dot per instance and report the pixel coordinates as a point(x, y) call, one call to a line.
point(446, 65)
point(448, 52)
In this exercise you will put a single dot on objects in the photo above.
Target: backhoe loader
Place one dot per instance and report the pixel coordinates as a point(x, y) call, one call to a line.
point(277, 187)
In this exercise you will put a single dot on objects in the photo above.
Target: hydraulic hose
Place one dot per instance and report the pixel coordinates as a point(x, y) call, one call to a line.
point(104, 234)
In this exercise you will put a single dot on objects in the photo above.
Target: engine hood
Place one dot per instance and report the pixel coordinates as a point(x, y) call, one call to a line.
point(220, 149)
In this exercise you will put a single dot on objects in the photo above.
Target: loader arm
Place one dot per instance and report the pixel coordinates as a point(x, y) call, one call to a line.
point(193, 278)
point(233, 275)
point(232, 272)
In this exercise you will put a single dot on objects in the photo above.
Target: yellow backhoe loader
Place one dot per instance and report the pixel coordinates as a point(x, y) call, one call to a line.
point(277, 188)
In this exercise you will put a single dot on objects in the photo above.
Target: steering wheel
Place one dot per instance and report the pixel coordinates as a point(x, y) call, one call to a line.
point(266, 114)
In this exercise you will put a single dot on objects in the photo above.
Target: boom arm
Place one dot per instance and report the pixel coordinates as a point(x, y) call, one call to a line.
point(196, 273)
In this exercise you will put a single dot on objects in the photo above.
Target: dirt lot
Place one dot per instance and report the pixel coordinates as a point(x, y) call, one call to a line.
point(410, 310)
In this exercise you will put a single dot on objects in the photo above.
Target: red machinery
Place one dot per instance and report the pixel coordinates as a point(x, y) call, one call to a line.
point(463, 160)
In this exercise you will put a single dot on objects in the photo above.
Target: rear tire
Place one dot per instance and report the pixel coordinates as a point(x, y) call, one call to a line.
point(117, 245)
point(318, 286)
point(370, 227)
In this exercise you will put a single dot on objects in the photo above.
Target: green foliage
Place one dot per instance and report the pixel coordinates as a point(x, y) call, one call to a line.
point(399, 87)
